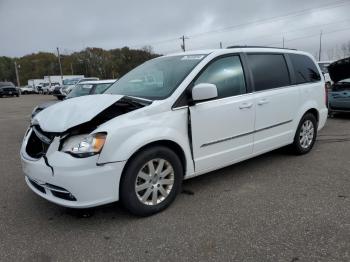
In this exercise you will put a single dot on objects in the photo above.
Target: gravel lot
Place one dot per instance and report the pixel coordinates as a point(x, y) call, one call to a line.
point(277, 207)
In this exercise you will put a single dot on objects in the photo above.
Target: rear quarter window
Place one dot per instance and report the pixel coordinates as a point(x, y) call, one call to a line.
point(305, 70)
point(269, 71)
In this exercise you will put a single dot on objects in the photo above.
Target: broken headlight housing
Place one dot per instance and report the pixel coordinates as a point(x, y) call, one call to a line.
point(84, 145)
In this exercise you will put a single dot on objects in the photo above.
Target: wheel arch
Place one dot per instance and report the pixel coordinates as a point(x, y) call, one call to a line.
point(315, 112)
point(166, 143)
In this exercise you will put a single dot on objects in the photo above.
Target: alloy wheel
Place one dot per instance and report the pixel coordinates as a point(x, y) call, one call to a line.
point(154, 181)
point(306, 135)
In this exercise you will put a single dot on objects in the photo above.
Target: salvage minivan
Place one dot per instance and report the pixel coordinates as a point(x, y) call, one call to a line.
point(172, 118)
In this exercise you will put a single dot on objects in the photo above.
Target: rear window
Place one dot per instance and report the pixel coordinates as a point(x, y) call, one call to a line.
point(269, 71)
point(305, 69)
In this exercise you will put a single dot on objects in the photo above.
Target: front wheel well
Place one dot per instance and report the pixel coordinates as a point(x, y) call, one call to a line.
point(167, 143)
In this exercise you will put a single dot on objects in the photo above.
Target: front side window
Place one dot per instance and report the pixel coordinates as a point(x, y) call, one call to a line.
point(269, 71)
point(305, 69)
point(157, 78)
point(227, 74)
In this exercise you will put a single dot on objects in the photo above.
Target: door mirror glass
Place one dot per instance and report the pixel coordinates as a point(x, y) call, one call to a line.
point(204, 91)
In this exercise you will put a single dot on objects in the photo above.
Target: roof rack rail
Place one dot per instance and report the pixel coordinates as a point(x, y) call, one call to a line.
point(257, 46)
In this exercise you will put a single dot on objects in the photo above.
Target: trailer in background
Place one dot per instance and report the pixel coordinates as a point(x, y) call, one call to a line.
point(35, 83)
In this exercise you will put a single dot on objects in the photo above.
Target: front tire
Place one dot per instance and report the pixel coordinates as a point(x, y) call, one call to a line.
point(151, 181)
point(305, 135)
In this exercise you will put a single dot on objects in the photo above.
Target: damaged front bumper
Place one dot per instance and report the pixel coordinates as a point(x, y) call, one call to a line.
point(68, 181)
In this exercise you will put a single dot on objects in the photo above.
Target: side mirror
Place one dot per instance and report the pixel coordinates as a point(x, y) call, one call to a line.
point(204, 91)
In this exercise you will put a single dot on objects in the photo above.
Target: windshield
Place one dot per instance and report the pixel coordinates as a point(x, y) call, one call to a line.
point(2, 84)
point(80, 90)
point(70, 81)
point(157, 78)
point(324, 67)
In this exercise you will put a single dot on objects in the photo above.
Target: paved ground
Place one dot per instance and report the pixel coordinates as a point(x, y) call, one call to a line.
point(277, 207)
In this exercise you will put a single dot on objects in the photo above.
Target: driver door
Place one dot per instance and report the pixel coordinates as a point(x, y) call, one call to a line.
point(222, 128)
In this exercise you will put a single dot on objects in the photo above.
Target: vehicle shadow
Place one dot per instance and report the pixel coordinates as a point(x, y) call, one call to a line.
point(200, 184)
point(344, 116)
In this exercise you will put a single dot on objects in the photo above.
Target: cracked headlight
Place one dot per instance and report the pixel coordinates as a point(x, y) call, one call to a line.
point(84, 145)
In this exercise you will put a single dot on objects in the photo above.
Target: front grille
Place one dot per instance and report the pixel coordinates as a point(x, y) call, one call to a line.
point(38, 142)
point(9, 89)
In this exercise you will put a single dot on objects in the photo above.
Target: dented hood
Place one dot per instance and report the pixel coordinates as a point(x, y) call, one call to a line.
point(72, 112)
point(339, 70)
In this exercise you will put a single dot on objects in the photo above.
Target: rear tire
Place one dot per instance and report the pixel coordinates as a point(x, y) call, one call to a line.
point(305, 135)
point(151, 181)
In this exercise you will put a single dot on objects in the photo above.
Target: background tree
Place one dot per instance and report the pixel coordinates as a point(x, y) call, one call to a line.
point(105, 64)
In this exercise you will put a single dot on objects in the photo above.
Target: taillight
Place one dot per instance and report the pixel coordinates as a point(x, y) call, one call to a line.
point(326, 94)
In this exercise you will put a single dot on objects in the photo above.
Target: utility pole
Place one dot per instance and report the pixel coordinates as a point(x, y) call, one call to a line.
point(183, 46)
point(17, 75)
point(220, 45)
point(320, 49)
point(283, 42)
point(59, 61)
point(71, 68)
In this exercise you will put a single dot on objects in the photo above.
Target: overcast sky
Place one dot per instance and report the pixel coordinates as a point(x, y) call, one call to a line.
point(28, 26)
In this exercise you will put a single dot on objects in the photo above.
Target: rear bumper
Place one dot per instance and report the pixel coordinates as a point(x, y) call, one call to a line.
point(323, 115)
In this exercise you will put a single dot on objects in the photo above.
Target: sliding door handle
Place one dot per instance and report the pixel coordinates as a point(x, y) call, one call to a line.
point(245, 105)
point(263, 102)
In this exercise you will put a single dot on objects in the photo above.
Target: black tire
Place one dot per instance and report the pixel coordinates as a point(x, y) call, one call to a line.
point(17, 95)
point(127, 190)
point(297, 146)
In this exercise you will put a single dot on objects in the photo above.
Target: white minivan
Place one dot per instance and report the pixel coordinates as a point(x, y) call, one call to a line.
point(173, 118)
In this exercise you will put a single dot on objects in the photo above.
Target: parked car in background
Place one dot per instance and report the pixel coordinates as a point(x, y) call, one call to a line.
point(81, 89)
point(43, 88)
point(324, 68)
point(90, 87)
point(9, 89)
point(52, 86)
point(27, 90)
point(339, 95)
point(68, 84)
point(173, 118)
point(59, 92)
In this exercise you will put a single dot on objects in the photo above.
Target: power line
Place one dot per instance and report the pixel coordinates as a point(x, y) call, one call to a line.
point(313, 35)
point(290, 31)
point(264, 20)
